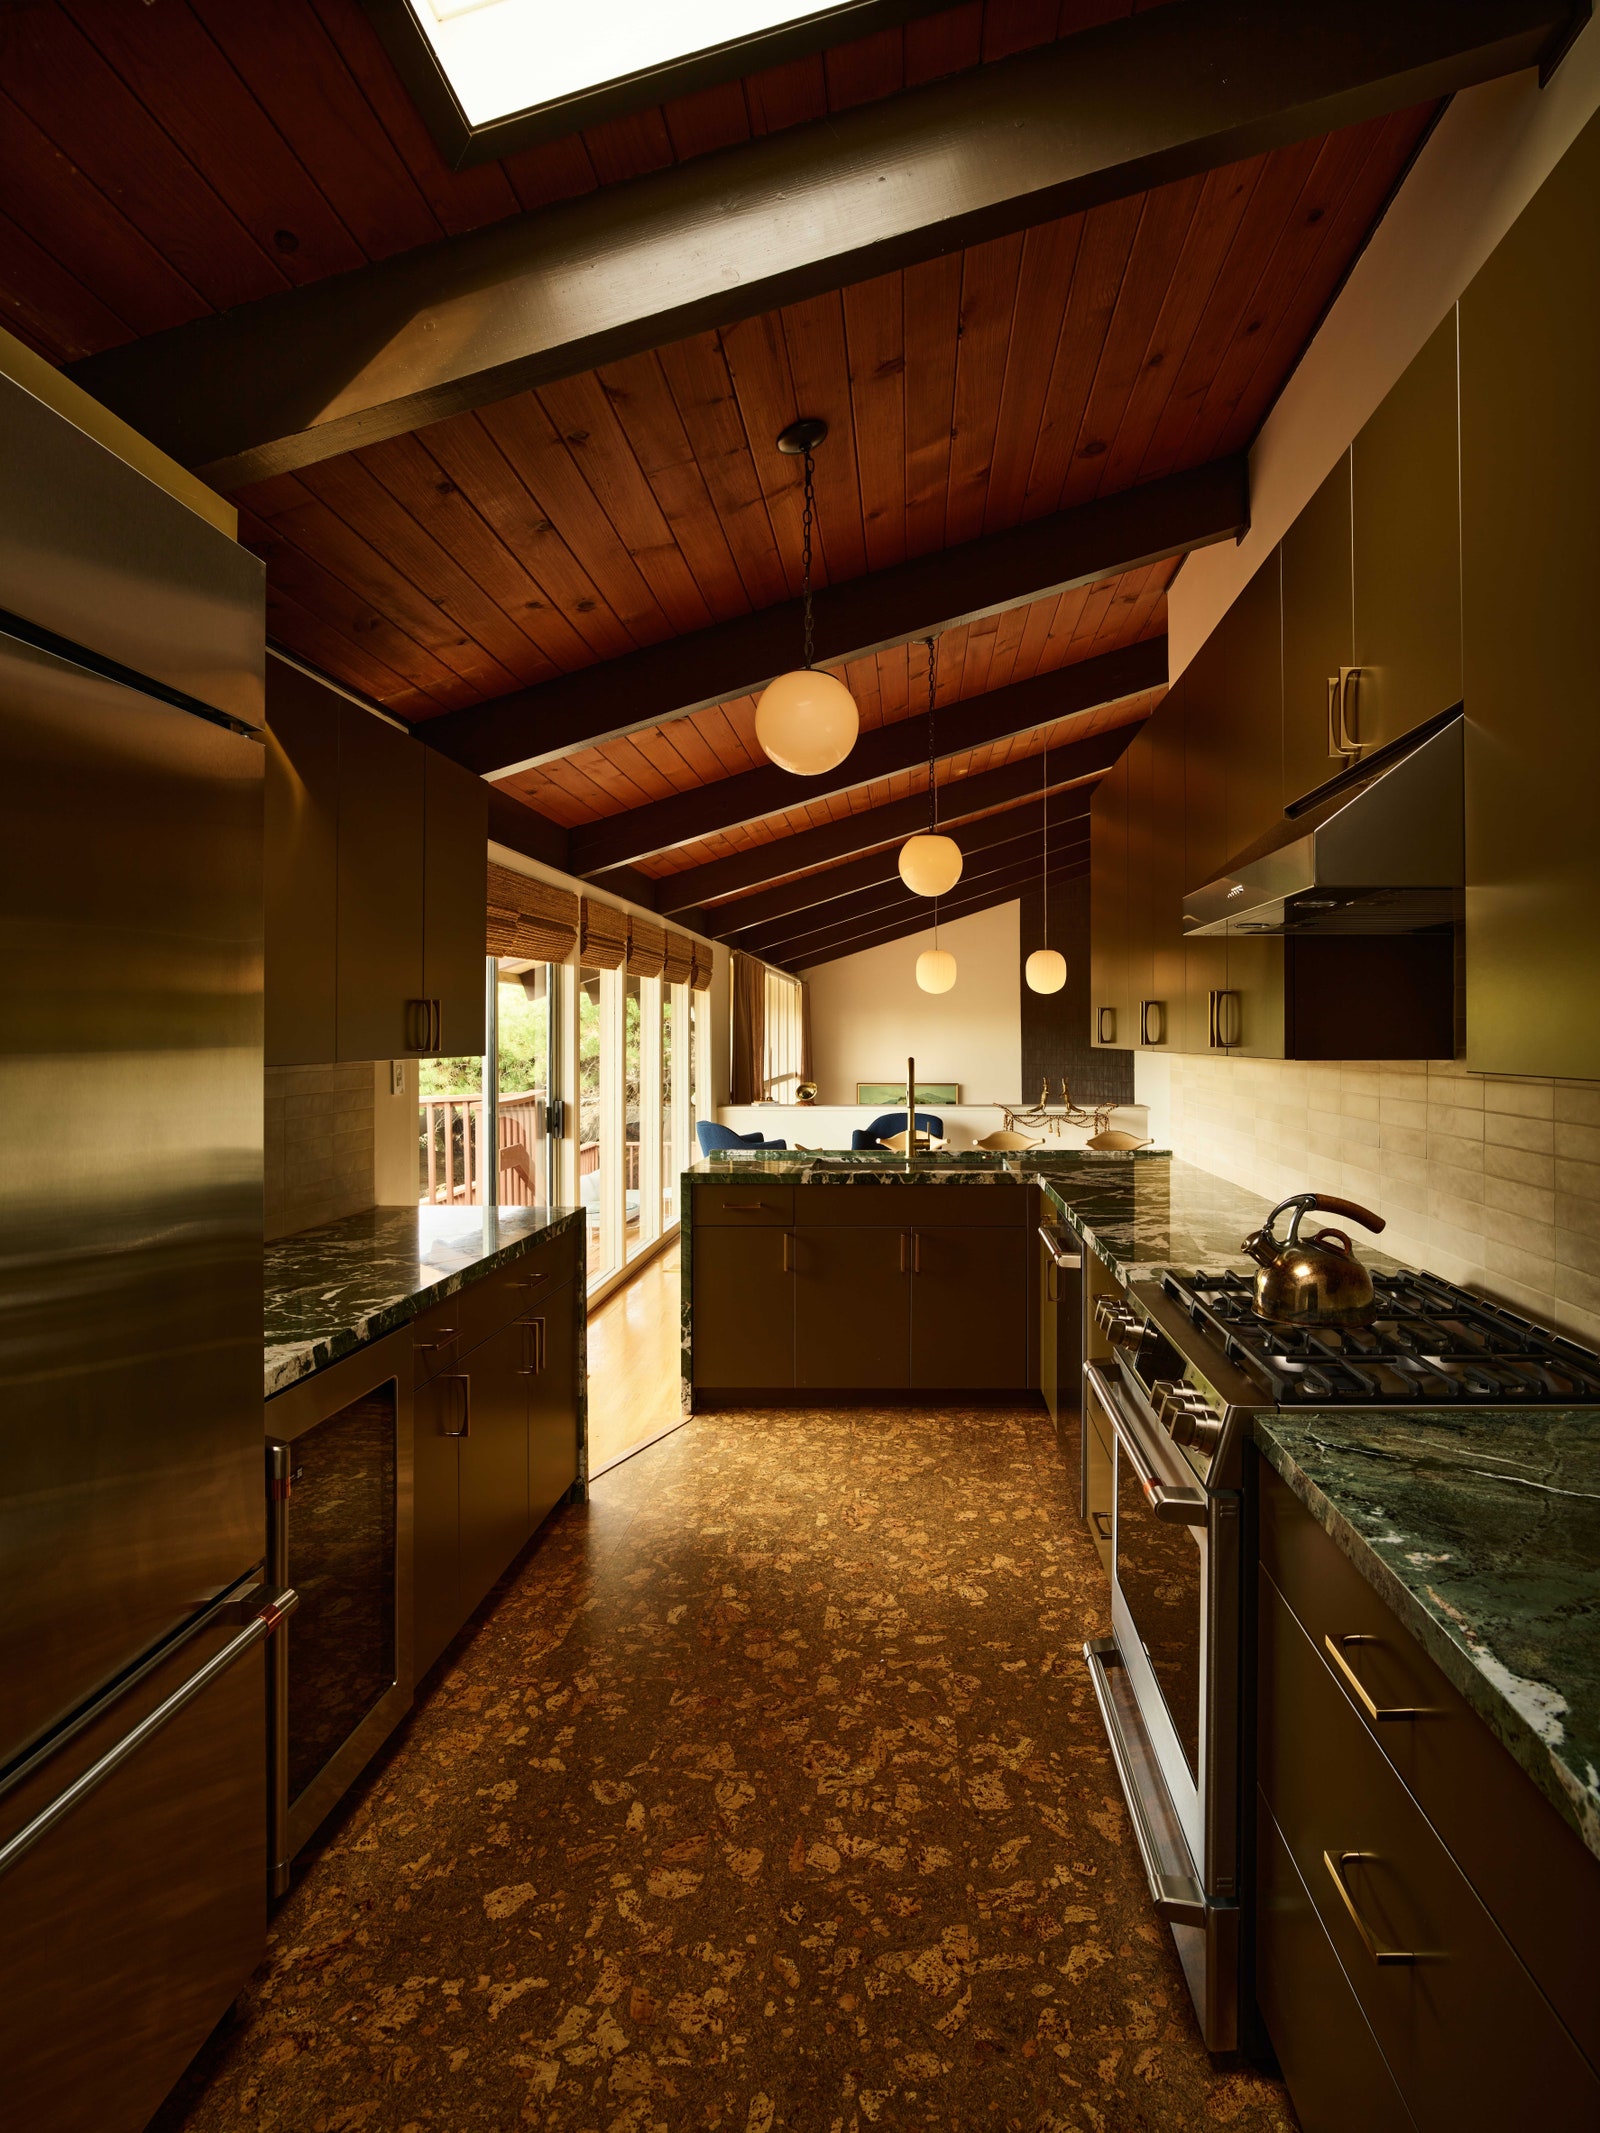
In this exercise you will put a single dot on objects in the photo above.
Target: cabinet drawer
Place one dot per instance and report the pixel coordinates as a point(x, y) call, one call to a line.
point(754, 1206)
point(1330, 2058)
point(911, 1206)
point(1461, 2024)
point(1543, 1886)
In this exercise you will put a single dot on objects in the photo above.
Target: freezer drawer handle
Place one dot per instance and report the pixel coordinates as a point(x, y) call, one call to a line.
point(260, 1626)
point(1053, 1245)
point(464, 1380)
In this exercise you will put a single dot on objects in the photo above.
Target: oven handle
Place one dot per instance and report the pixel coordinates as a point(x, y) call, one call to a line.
point(1179, 1507)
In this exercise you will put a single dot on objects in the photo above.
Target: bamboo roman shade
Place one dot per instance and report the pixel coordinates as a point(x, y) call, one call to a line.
point(603, 938)
point(700, 974)
point(530, 918)
point(647, 947)
point(679, 959)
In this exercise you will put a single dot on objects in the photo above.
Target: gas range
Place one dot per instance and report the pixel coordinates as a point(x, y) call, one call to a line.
point(1192, 1346)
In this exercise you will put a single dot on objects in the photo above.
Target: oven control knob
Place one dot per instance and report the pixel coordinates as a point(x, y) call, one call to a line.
point(1117, 1320)
point(1185, 1415)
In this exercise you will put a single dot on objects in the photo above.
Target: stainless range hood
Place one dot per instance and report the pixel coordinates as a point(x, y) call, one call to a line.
point(1379, 849)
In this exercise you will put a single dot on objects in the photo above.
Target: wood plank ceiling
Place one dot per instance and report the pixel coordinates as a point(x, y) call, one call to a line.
point(160, 162)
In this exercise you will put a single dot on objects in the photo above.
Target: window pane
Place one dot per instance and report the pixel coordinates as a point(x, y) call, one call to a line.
point(670, 1018)
point(632, 1032)
point(524, 994)
point(589, 1148)
point(450, 1122)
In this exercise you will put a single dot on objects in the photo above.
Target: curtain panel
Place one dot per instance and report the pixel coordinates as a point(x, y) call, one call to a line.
point(749, 1028)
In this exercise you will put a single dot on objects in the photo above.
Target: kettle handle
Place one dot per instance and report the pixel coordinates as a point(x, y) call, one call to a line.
point(1328, 1205)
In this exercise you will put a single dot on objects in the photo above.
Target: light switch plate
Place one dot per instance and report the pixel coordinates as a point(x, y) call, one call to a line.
point(397, 1077)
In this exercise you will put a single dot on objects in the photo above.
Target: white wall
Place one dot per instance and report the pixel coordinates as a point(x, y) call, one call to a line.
point(867, 1013)
point(1487, 157)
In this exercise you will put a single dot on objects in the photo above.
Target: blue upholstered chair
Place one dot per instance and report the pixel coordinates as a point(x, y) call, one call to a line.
point(715, 1139)
point(895, 1122)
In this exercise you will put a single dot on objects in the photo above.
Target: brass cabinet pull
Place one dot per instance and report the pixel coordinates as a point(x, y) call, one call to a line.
point(1224, 1020)
point(916, 1251)
point(788, 1256)
point(1101, 1521)
point(461, 1378)
point(1347, 1674)
point(1152, 1022)
point(903, 1242)
point(743, 1207)
point(446, 1335)
point(1106, 1025)
point(1336, 1867)
point(1347, 699)
point(536, 1327)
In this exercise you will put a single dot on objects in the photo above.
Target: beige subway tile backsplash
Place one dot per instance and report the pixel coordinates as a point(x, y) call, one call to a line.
point(1489, 1180)
point(318, 1145)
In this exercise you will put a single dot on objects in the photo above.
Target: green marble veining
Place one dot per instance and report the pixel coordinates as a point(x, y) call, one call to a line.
point(331, 1290)
point(1481, 1530)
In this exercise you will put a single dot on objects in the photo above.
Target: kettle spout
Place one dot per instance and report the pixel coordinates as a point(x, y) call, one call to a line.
point(1261, 1245)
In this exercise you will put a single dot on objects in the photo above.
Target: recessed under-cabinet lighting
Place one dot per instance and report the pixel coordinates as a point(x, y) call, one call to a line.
point(505, 56)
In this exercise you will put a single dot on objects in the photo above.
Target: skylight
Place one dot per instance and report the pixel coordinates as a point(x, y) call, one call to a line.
point(505, 56)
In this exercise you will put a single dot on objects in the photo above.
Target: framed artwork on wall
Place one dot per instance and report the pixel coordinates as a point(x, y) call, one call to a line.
point(894, 1092)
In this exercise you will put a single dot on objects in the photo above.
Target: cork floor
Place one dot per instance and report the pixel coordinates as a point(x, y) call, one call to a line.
point(769, 1793)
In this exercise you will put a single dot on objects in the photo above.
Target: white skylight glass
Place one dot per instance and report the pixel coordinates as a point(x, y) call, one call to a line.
point(503, 56)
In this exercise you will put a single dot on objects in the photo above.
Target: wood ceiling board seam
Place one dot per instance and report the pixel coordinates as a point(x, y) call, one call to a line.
point(706, 119)
point(1108, 537)
point(865, 68)
point(943, 44)
point(697, 375)
point(1011, 26)
point(47, 306)
point(576, 612)
point(793, 93)
point(783, 364)
point(340, 485)
point(989, 274)
point(1044, 290)
point(518, 302)
point(875, 343)
point(343, 655)
point(582, 414)
point(551, 171)
point(196, 95)
point(858, 832)
point(543, 462)
point(933, 299)
point(55, 73)
point(618, 840)
point(632, 144)
point(306, 89)
point(421, 487)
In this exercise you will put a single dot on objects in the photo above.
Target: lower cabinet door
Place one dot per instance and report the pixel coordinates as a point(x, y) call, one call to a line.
point(438, 1406)
point(743, 1308)
point(969, 1308)
point(1336, 2073)
point(552, 1336)
point(852, 1307)
point(494, 1462)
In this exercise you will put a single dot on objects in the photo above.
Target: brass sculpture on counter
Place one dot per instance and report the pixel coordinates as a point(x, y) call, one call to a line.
point(1050, 1118)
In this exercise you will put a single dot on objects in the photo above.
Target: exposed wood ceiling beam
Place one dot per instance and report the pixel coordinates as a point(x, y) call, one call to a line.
point(1163, 94)
point(689, 892)
point(618, 840)
point(1037, 561)
point(1026, 819)
point(873, 932)
point(1016, 854)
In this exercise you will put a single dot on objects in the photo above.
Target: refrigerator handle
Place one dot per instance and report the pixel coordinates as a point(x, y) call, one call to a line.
point(261, 1625)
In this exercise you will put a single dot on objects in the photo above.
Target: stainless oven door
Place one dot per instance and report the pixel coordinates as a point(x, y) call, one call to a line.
point(1160, 1546)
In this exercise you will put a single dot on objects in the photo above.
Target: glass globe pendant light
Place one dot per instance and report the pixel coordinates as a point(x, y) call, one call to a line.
point(1046, 969)
point(930, 865)
point(806, 722)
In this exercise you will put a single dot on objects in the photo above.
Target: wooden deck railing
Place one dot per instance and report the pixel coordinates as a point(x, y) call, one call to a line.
point(451, 1141)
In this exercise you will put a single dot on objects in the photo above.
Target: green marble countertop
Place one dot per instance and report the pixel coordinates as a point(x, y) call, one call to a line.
point(1481, 1530)
point(331, 1290)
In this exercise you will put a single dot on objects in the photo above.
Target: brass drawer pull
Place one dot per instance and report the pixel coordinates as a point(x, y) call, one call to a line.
point(743, 1207)
point(1347, 1674)
point(1381, 1956)
point(1101, 1521)
point(446, 1335)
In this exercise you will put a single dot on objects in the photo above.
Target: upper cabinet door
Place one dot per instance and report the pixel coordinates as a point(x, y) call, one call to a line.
point(1139, 966)
point(380, 889)
point(1530, 473)
point(1108, 909)
point(301, 868)
point(1166, 1024)
point(1205, 832)
point(1252, 632)
point(1406, 546)
point(455, 876)
point(1318, 632)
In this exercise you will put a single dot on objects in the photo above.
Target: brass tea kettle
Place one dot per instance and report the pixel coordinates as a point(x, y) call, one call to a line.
point(1312, 1280)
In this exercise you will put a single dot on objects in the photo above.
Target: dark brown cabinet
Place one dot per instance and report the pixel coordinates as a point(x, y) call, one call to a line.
point(375, 885)
point(495, 1434)
point(743, 1307)
point(856, 1290)
point(1252, 774)
point(1434, 1893)
point(1318, 634)
point(1110, 1014)
point(1405, 547)
point(1530, 473)
point(852, 1306)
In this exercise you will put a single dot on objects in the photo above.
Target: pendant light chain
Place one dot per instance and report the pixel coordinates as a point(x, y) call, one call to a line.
point(806, 522)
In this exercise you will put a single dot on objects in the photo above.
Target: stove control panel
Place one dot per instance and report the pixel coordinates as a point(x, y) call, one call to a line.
point(1185, 1414)
point(1118, 1321)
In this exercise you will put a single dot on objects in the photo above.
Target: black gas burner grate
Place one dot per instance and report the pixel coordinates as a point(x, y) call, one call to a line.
point(1428, 1344)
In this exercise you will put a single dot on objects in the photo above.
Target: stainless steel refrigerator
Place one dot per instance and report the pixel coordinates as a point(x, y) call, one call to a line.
point(133, 1614)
